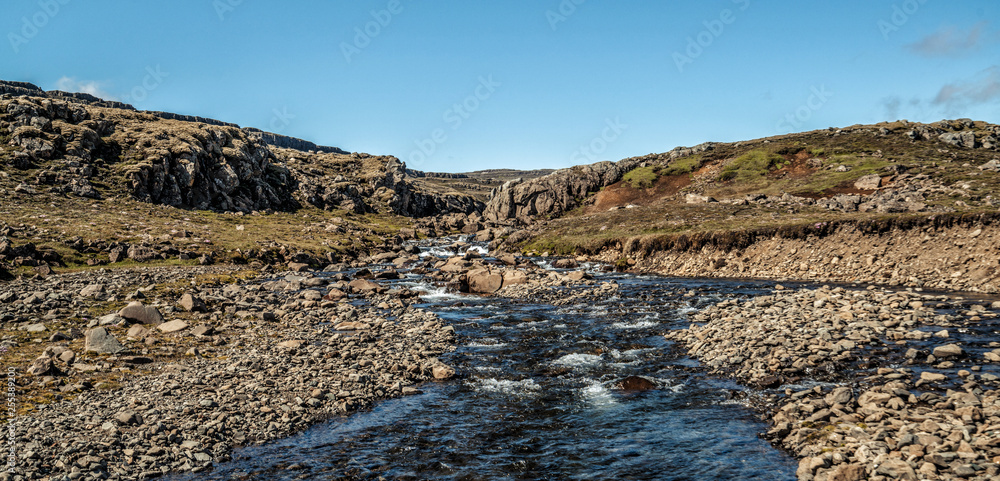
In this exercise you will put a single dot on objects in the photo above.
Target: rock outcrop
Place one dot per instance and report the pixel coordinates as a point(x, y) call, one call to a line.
point(77, 140)
point(191, 118)
point(181, 164)
point(20, 88)
point(215, 168)
point(87, 99)
point(287, 142)
point(365, 183)
point(961, 133)
point(406, 200)
point(555, 193)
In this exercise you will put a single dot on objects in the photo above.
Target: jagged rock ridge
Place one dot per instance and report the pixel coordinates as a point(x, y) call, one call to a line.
point(287, 142)
point(185, 162)
point(270, 138)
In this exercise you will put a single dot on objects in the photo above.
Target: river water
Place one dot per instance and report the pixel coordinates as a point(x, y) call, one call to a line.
point(537, 398)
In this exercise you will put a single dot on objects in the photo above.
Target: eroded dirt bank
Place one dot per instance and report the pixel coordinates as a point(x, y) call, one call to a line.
point(964, 256)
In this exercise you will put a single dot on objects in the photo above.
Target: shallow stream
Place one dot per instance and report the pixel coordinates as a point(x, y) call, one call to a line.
point(537, 397)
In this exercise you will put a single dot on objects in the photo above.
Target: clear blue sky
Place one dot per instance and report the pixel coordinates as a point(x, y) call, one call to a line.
point(544, 83)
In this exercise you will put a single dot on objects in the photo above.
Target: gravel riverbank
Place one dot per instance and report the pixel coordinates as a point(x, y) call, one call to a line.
point(877, 384)
point(131, 374)
point(238, 359)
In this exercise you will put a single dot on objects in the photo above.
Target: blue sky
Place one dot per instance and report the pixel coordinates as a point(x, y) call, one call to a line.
point(465, 85)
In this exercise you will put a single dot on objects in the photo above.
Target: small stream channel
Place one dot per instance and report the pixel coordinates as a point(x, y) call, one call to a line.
point(537, 398)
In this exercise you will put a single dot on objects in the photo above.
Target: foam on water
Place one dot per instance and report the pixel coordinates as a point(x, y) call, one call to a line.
point(579, 309)
point(574, 309)
point(597, 394)
point(635, 325)
point(578, 360)
point(525, 387)
point(438, 252)
point(686, 310)
point(487, 342)
point(535, 323)
point(623, 359)
point(546, 265)
point(431, 293)
point(636, 352)
point(666, 384)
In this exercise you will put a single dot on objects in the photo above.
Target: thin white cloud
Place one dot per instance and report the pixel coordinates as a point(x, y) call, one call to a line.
point(950, 41)
point(983, 88)
point(891, 106)
point(896, 107)
point(70, 84)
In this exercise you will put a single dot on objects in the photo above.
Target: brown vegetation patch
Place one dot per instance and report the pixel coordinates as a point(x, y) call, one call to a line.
point(797, 168)
point(622, 194)
point(846, 188)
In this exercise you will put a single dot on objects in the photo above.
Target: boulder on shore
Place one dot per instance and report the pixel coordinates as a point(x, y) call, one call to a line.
point(136, 312)
point(101, 341)
point(191, 303)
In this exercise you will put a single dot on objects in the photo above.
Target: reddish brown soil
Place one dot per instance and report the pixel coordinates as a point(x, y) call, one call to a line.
point(845, 188)
point(797, 168)
point(840, 189)
point(621, 194)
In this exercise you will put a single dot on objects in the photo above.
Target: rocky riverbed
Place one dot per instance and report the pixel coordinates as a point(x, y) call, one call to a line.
point(240, 356)
point(877, 384)
point(202, 360)
point(131, 374)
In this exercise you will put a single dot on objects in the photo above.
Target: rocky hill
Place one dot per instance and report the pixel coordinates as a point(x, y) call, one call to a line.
point(84, 181)
point(554, 193)
point(78, 144)
point(836, 168)
point(878, 203)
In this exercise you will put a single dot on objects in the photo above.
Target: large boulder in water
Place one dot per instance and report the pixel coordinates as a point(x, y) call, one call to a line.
point(514, 276)
point(484, 282)
point(636, 383)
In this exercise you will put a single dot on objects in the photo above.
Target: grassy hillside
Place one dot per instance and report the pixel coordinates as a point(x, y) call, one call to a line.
point(81, 230)
point(782, 181)
point(79, 181)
